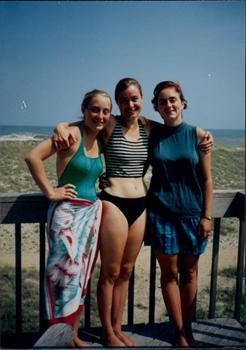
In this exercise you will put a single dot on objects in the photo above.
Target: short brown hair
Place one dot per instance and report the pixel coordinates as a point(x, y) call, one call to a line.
point(167, 84)
point(123, 84)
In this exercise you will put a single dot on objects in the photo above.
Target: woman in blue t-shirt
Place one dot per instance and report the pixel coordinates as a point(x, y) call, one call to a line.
point(179, 206)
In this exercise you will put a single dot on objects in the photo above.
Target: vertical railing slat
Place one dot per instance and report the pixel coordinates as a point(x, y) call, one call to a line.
point(214, 268)
point(88, 306)
point(131, 299)
point(18, 284)
point(152, 286)
point(240, 270)
point(41, 275)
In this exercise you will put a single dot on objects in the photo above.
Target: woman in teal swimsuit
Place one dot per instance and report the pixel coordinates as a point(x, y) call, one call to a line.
point(74, 214)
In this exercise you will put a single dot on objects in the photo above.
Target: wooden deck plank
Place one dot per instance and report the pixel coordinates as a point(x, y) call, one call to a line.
point(225, 332)
point(209, 334)
point(216, 333)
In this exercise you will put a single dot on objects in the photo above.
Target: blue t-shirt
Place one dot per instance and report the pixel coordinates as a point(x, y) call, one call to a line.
point(176, 184)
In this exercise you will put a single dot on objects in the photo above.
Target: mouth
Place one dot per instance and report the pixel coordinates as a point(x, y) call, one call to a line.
point(170, 111)
point(99, 123)
point(131, 112)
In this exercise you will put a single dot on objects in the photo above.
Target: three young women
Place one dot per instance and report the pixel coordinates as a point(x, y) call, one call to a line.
point(125, 146)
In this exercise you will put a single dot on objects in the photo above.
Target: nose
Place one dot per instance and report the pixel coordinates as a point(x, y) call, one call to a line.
point(130, 104)
point(101, 114)
point(168, 103)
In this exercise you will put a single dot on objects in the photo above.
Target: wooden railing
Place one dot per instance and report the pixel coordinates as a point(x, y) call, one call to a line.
point(18, 209)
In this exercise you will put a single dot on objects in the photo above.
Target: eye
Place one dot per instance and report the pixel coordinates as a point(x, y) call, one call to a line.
point(94, 109)
point(106, 111)
point(162, 101)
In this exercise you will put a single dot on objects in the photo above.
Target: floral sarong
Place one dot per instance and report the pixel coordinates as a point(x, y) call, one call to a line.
point(72, 228)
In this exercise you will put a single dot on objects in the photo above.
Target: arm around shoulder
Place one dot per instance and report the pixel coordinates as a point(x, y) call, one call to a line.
point(64, 135)
point(205, 162)
point(205, 140)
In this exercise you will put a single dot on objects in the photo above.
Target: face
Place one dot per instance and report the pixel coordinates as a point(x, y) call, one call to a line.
point(97, 112)
point(130, 102)
point(170, 106)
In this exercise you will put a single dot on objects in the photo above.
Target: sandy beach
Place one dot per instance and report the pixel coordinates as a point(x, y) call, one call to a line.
point(16, 178)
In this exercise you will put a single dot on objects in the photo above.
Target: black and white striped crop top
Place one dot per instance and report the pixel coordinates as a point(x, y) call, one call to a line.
point(126, 158)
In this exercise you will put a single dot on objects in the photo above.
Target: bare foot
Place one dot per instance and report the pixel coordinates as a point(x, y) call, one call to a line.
point(76, 342)
point(189, 335)
point(180, 339)
point(112, 341)
point(124, 338)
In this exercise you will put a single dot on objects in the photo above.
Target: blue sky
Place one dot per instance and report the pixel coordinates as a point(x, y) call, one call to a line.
point(53, 52)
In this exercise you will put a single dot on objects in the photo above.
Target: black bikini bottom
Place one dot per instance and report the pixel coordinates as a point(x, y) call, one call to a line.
point(132, 208)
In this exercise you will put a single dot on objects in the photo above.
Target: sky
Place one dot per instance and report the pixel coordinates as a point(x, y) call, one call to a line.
point(53, 52)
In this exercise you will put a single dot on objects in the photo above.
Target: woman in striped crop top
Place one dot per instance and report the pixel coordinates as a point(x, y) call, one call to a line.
point(74, 213)
point(124, 208)
point(125, 146)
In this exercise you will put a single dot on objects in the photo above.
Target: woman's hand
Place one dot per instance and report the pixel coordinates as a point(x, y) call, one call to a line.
point(207, 142)
point(103, 181)
point(205, 228)
point(64, 136)
point(61, 193)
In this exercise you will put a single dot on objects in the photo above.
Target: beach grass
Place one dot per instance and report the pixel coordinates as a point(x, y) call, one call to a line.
point(228, 167)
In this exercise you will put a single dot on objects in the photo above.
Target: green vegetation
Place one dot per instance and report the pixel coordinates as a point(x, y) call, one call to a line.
point(225, 299)
point(15, 176)
point(30, 299)
point(228, 168)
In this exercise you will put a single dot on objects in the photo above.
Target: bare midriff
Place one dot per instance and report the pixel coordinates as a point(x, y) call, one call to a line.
point(126, 187)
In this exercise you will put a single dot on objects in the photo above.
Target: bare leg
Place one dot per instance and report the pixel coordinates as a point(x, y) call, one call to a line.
point(132, 248)
point(188, 292)
point(113, 238)
point(76, 342)
point(171, 294)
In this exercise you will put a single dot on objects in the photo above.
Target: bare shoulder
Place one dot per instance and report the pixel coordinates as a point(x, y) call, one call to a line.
point(75, 129)
point(200, 134)
point(144, 121)
point(147, 123)
point(108, 129)
point(75, 133)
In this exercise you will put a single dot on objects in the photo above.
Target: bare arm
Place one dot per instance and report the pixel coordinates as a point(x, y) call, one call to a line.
point(63, 136)
point(206, 142)
point(35, 161)
point(148, 124)
point(205, 162)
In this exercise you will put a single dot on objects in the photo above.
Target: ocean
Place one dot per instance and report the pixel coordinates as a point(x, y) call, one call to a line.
point(225, 137)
